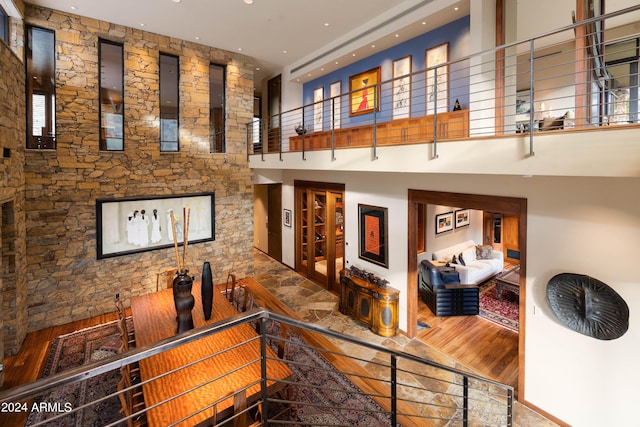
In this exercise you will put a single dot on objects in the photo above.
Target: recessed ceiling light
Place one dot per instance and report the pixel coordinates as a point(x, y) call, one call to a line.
point(284, 51)
point(424, 23)
point(248, 1)
point(142, 24)
point(353, 54)
point(239, 49)
point(326, 24)
point(257, 68)
point(73, 8)
point(197, 38)
point(373, 45)
point(456, 8)
point(397, 35)
point(176, 1)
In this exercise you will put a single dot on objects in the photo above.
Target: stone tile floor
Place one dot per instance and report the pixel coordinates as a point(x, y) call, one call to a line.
point(319, 306)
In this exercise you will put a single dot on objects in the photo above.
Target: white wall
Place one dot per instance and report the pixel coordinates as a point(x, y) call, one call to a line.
point(435, 242)
point(580, 225)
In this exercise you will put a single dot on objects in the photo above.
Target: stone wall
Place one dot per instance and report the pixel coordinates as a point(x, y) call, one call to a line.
point(13, 288)
point(65, 280)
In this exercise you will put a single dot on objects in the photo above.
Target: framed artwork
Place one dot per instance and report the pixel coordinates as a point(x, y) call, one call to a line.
point(437, 79)
point(444, 222)
point(132, 225)
point(462, 218)
point(401, 87)
point(318, 116)
point(286, 217)
point(372, 227)
point(335, 90)
point(364, 90)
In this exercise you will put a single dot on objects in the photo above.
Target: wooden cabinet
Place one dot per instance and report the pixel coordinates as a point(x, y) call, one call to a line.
point(372, 305)
point(415, 130)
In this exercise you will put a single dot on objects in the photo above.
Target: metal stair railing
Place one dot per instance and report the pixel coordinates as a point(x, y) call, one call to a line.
point(389, 387)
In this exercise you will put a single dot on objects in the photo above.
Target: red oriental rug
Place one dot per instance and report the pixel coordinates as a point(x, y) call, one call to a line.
point(76, 349)
point(504, 312)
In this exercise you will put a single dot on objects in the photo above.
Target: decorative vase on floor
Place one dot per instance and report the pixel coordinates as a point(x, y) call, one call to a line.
point(207, 290)
point(183, 299)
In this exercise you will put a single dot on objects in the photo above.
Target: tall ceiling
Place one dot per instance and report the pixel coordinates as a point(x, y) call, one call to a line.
point(300, 36)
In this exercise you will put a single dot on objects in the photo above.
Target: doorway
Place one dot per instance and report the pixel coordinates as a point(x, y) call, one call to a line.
point(267, 219)
point(515, 208)
point(319, 219)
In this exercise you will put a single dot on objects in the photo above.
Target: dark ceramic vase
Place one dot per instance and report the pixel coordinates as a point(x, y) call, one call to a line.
point(207, 290)
point(184, 301)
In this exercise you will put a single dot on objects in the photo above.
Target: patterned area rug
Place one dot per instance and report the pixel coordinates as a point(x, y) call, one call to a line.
point(76, 349)
point(322, 395)
point(504, 312)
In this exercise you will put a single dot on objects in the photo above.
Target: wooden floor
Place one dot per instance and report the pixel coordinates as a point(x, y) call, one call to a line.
point(477, 343)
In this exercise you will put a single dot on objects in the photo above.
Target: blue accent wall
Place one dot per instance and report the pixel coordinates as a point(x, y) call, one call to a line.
point(456, 33)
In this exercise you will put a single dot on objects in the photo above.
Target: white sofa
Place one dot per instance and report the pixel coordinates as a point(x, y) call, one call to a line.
point(475, 270)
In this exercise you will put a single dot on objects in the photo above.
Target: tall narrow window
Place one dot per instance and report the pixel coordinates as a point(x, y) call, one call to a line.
point(169, 111)
point(111, 96)
point(4, 25)
point(41, 88)
point(217, 107)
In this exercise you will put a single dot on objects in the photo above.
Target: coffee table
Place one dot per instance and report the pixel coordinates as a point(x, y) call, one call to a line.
point(508, 280)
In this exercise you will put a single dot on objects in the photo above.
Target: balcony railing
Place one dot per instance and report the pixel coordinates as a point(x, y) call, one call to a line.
point(579, 77)
point(411, 390)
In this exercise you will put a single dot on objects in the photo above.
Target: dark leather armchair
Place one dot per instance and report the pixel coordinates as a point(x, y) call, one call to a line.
point(446, 299)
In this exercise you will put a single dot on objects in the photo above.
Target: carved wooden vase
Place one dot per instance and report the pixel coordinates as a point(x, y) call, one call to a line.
point(207, 290)
point(184, 300)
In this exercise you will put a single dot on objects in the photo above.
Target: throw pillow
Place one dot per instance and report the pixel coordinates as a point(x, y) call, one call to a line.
point(484, 252)
point(469, 254)
point(461, 260)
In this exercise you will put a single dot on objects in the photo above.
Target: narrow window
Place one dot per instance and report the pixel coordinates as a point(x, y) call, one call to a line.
point(111, 96)
point(4, 25)
point(41, 88)
point(169, 111)
point(217, 107)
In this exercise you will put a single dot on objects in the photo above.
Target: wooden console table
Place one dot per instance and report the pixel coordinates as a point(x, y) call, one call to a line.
point(372, 305)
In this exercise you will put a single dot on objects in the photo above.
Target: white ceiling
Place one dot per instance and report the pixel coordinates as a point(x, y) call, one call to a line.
point(313, 33)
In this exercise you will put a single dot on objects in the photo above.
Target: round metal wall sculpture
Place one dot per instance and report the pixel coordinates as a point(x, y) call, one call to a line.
point(588, 306)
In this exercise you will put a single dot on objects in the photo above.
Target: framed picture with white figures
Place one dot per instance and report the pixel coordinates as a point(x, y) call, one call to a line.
point(131, 225)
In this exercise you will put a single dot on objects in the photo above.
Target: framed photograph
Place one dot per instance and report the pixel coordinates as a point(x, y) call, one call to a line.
point(401, 87)
point(444, 222)
point(286, 217)
point(318, 105)
point(372, 226)
point(437, 79)
point(462, 218)
point(132, 225)
point(335, 90)
point(363, 91)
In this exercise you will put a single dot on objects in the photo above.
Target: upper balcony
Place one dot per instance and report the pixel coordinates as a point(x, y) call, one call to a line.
point(564, 103)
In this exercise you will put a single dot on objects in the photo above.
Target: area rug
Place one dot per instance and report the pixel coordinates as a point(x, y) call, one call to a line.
point(323, 395)
point(504, 312)
point(76, 349)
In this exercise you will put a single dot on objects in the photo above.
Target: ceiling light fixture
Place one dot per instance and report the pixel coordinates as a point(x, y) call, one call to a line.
point(176, 1)
point(248, 1)
point(456, 8)
point(326, 24)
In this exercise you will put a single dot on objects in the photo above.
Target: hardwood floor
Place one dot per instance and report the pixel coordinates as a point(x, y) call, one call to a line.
point(477, 343)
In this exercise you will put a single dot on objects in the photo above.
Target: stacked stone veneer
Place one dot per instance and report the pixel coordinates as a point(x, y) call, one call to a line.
point(65, 280)
point(13, 288)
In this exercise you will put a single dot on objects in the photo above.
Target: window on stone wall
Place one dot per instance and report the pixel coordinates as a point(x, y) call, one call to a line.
point(217, 85)
point(111, 95)
point(41, 88)
point(169, 102)
point(4, 25)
